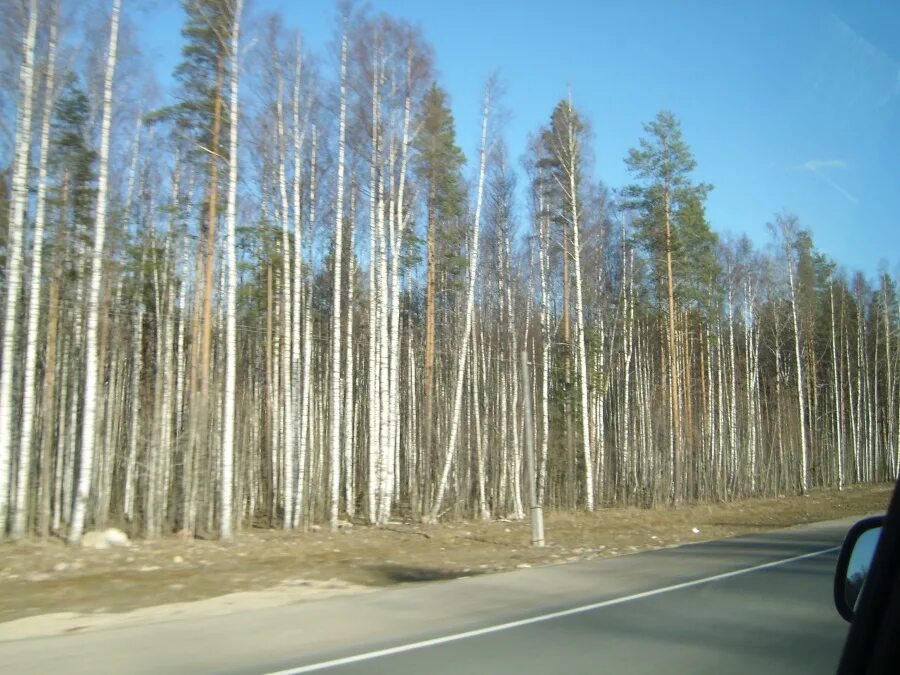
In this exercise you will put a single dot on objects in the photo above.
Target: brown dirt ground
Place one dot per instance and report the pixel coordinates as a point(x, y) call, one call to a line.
point(41, 577)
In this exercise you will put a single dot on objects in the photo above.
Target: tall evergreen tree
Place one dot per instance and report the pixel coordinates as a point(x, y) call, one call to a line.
point(564, 144)
point(72, 159)
point(200, 114)
point(438, 162)
point(664, 198)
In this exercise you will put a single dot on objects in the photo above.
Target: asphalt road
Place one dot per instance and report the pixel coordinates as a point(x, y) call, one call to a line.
point(758, 604)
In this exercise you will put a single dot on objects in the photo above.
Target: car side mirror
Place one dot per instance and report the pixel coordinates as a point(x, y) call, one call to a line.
point(853, 564)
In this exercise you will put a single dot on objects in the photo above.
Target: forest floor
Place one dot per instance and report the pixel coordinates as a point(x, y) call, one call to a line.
point(47, 587)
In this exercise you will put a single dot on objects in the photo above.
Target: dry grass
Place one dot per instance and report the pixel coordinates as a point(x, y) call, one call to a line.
point(44, 577)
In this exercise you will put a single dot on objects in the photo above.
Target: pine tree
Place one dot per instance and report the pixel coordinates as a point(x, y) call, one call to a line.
point(463, 349)
point(438, 162)
point(200, 116)
point(664, 198)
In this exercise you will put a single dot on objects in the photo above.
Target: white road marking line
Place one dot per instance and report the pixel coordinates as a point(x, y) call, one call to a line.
point(347, 660)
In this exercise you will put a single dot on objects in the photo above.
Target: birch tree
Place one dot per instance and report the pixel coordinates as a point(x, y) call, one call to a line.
point(335, 416)
point(228, 434)
point(415, 71)
point(287, 378)
point(18, 206)
point(838, 432)
point(297, 364)
point(34, 295)
point(787, 229)
point(157, 374)
point(93, 307)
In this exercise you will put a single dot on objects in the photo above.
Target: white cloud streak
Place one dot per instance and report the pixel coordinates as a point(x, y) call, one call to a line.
point(815, 165)
point(828, 181)
point(820, 167)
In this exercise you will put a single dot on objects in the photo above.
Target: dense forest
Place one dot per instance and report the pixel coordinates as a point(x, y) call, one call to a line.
point(285, 296)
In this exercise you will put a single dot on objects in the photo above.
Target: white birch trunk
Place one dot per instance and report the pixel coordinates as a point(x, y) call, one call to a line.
point(335, 417)
point(516, 463)
point(838, 431)
point(388, 234)
point(398, 231)
point(721, 477)
point(287, 350)
point(14, 256)
point(104, 472)
point(732, 401)
point(381, 356)
point(305, 405)
point(373, 419)
point(483, 511)
point(854, 427)
point(601, 410)
point(875, 435)
point(600, 395)
point(74, 404)
point(503, 443)
point(165, 404)
point(863, 415)
point(227, 463)
point(412, 426)
point(34, 299)
point(801, 399)
point(752, 387)
point(128, 499)
point(93, 309)
point(296, 364)
point(179, 394)
point(277, 417)
point(136, 367)
point(544, 264)
point(349, 441)
point(579, 318)
point(61, 445)
point(628, 317)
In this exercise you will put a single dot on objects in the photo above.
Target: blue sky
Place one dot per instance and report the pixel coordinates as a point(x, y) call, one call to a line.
point(788, 106)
